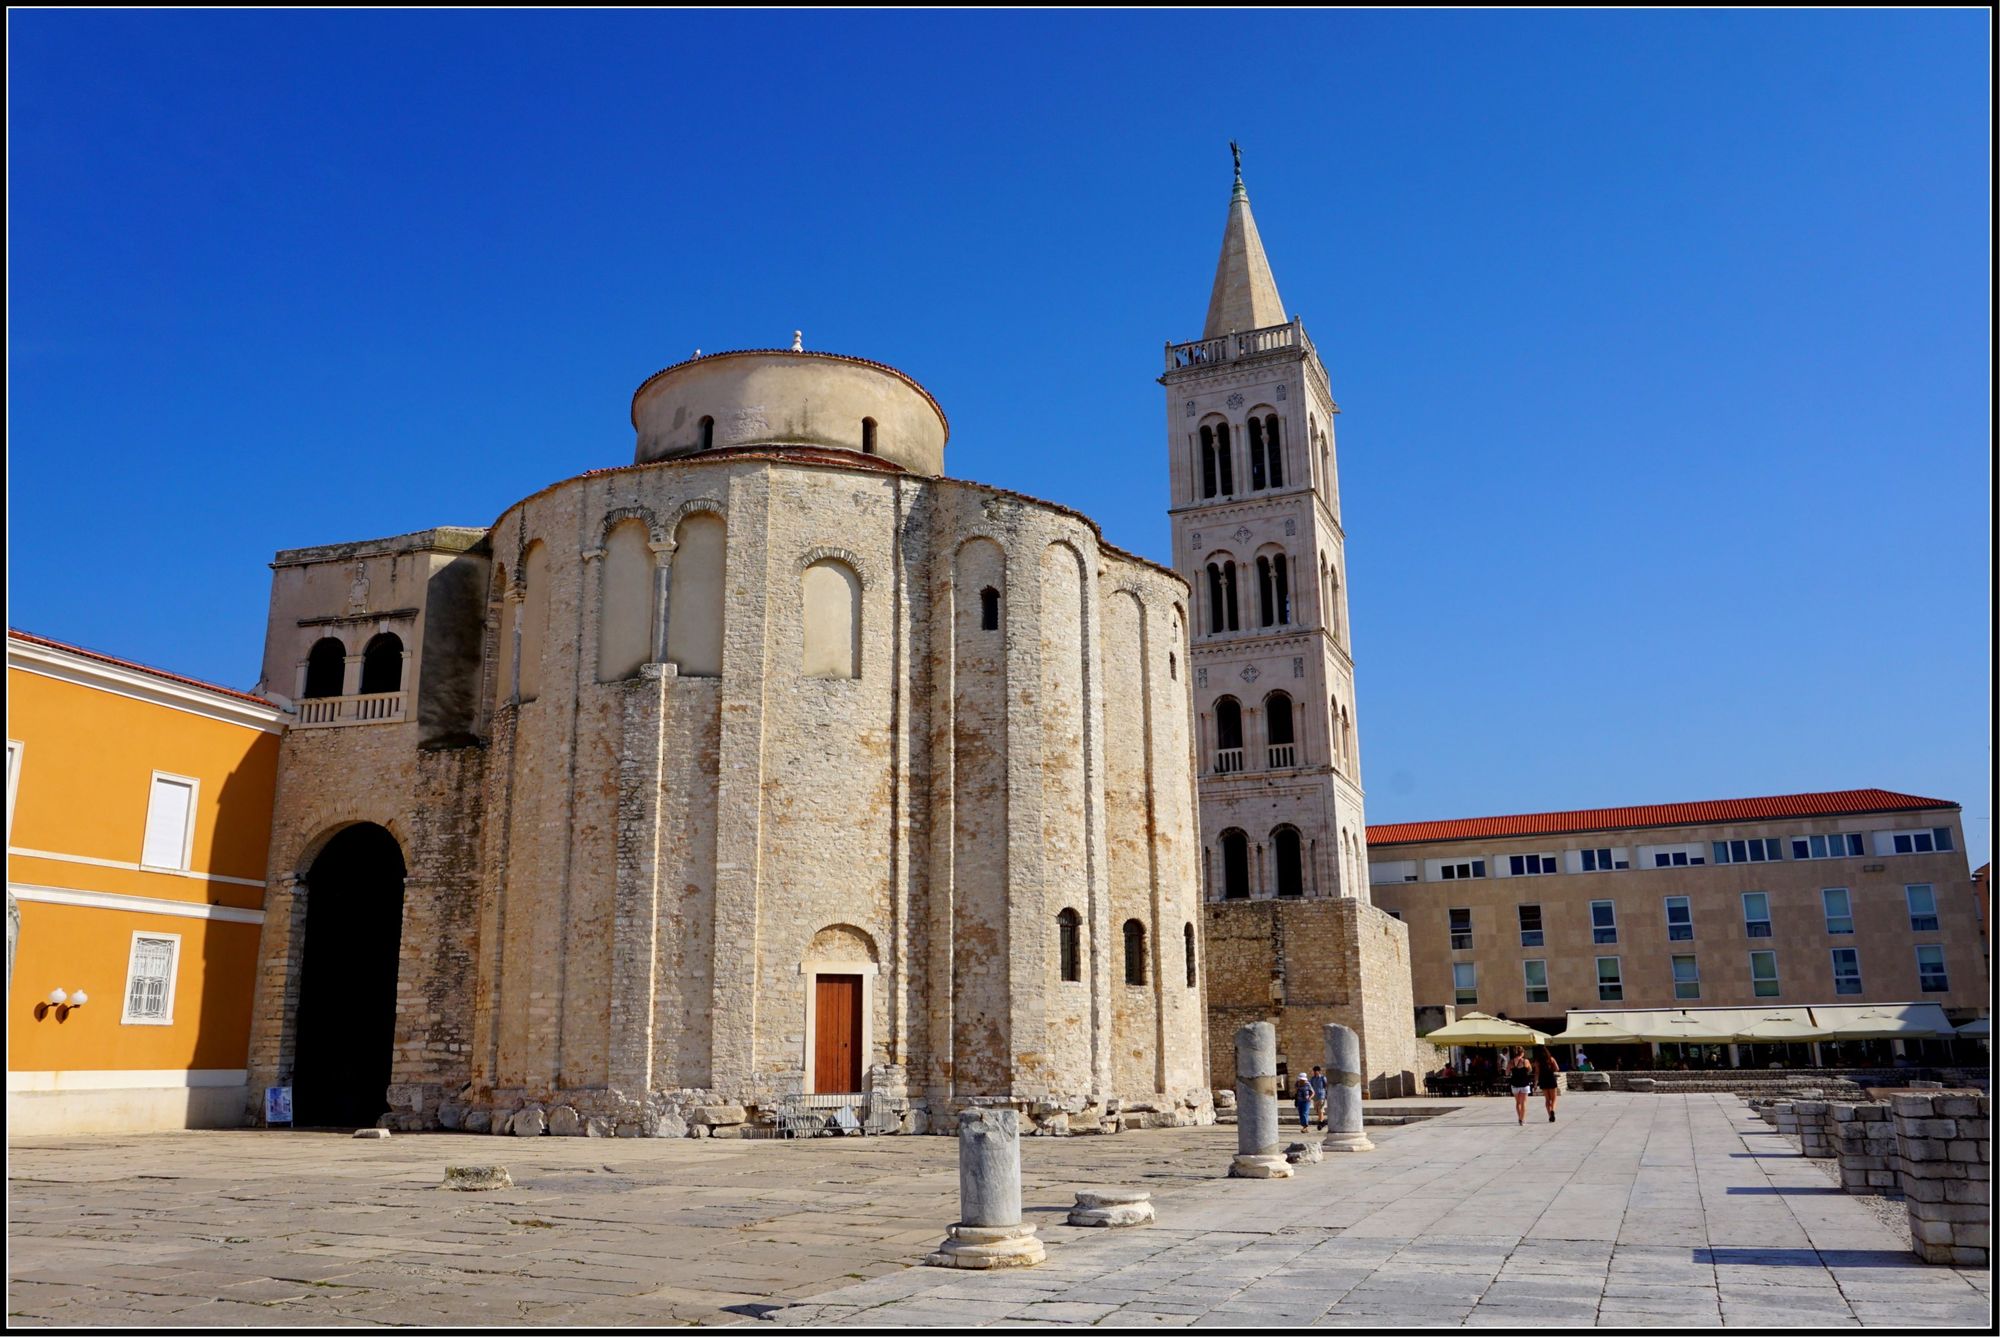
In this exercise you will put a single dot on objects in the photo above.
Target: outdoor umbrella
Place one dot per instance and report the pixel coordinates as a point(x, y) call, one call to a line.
point(1595, 1031)
point(1683, 1030)
point(1778, 1030)
point(1975, 1030)
point(1476, 1028)
point(1876, 1025)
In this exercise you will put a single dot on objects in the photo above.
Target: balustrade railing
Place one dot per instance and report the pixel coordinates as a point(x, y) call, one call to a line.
point(1230, 347)
point(1228, 759)
point(324, 712)
point(1284, 755)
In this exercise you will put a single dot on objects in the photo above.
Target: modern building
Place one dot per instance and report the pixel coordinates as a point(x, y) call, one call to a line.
point(1857, 896)
point(771, 770)
point(1256, 531)
point(138, 819)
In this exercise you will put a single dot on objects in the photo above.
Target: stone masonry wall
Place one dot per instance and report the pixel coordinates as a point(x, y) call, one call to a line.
point(1944, 1148)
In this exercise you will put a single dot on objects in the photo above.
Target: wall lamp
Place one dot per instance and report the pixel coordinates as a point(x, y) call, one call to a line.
point(60, 1003)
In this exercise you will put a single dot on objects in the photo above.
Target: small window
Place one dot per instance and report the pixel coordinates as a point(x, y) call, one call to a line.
point(989, 609)
point(1935, 840)
point(1843, 845)
point(1603, 922)
point(1764, 974)
point(1930, 970)
point(1687, 978)
point(169, 822)
point(1531, 925)
point(1135, 952)
point(1610, 982)
point(1923, 908)
point(1459, 872)
point(1529, 865)
point(149, 979)
point(1839, 910)
point(1285, 853)
point(1746, 851)
point(1680, 919)
point(1187, 935)
point(1465, 982)
point(708, 434)
point(1756, 914)
point(1535, 976)
point(1461, 930)
point(1235, 866)
point(867, 436)
point(1598, 861)
point(1846, 970)
point(1069, 941)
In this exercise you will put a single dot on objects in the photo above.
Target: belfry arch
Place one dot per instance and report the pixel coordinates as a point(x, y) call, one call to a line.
point(345, 1030)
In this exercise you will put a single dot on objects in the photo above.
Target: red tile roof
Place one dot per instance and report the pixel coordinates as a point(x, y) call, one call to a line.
point(1836, 803)
point(148, 669)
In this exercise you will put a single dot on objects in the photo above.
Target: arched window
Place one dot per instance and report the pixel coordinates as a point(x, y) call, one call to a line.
point(831, 597)
point(1347, 736)
point(1276, 460)
point(1228, 735)
point(1222, 595)
point(1278, 724)
point(1274, 594)
point(534, 621)
point(1222, 459)
point(1187, 935)
point(1069, 944)
point(326, 668)
point(1235, 866)
point(867, 436)
point(1291, 869)
point(1173, 667)
point(1333, 600)
point(382, 664)
point(694, 601)
point(708, 434)
point(1208, 474)
point(1256, 455)
point(503, 644)
point(1135, 952)
point(625, 601)
point(989, 609)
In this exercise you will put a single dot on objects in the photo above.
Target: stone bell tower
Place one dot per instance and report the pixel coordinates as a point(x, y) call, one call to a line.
point(1256, 524)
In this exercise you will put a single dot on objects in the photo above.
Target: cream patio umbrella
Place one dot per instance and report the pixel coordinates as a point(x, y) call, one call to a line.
point(1595, 1031)
point(1476, 1028)
point(1879, 1025)
point(1683, 1030)
point(1778, 1030)
point(1975, 1030)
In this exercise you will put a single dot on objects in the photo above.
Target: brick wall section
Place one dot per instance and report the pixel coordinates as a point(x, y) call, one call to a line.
point(1945, 1151)
point(1342, 960)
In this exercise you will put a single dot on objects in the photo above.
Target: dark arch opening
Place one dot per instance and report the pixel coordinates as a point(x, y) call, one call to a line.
point(326, 668)
point(1069, 935)
point(989, 609)
point(382, 664)
point(1278, 718)
point(1235, 866)
point(1291, 871)
point(1135, 952)
point(1222, 459)
point(1277, 459)
point(1256, 454)
point(1228, 723)
point(708, 433)
point(867, 436)
point(346, 1030)
point(1188, 934)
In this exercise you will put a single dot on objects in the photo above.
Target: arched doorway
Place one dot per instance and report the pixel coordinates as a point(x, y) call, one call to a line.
point(347, 980)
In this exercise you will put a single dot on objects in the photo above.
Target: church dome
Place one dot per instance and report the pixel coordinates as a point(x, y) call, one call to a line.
point(779, 397)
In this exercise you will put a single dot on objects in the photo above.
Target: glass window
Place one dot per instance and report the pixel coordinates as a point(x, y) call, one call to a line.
point(1846, 970)
point(1923, 908)
point(1535, 975)
point(1839, 910)
point(1527, 865)
point(1531, 925)
point(1841, 845)
point(1924, 842)
point(1930, 970)
point(1764, 974)
point(1687, 978)
point(1597, 861)
point(1603, 922)
point(1680, 919)
point(1747, 851)
point(1453, 872)
point(149, 980)
point(1756, 914)
point(1461, 930)
point(1465, 981)
point(1610, 984)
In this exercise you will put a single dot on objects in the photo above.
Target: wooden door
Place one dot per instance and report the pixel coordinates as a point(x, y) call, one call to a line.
point(837, 1033)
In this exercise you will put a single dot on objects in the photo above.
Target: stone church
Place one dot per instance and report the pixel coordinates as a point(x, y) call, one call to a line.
point(770, 779)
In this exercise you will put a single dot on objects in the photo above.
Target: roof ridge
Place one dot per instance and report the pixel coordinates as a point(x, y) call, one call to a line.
point(1820, 803)
point(47, 642)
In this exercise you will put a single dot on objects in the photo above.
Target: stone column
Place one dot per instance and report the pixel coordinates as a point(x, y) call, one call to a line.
point(1257, 1152)
point(663, 584)
point(990, 1232)
point(1344, 1130)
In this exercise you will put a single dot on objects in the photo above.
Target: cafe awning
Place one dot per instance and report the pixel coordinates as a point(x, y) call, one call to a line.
point(1476, 1028)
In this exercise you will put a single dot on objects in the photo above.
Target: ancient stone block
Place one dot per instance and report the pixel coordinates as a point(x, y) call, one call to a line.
point(565, 1122)
point(477, 1178)
point(1112, 1207)
point(530, 1122)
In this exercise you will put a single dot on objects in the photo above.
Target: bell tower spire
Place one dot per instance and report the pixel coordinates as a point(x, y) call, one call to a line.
point(1245, 295)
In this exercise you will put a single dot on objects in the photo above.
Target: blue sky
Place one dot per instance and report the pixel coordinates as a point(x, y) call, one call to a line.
point(1661, 339)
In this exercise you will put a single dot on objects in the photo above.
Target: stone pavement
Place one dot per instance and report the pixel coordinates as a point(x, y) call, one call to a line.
point(1676, 1210)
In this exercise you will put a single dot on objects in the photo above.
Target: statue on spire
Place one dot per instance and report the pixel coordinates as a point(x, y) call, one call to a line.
point(1237, 154)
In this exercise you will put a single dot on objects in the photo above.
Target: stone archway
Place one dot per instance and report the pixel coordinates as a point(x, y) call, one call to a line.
point(346, 1027)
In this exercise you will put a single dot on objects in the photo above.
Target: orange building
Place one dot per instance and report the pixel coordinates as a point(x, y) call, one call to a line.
point(138, 825)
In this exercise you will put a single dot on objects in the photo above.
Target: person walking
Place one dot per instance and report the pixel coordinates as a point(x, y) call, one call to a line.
point(1520, 1080)
point(1546, 1070)
point(1302, 1097)
point(1319, 1095)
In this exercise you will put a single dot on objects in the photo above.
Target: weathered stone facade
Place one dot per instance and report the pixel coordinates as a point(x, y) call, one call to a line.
point(682, 741)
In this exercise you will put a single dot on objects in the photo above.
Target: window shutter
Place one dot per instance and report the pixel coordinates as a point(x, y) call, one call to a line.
point(167, 823)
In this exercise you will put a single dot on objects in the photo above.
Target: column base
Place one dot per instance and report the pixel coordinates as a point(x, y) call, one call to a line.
point(1260, 1167)
point(1112, 1207)
point(988, 1247)
point(1346, 1142)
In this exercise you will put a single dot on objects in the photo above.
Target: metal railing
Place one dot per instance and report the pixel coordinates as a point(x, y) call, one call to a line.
point(323, 712)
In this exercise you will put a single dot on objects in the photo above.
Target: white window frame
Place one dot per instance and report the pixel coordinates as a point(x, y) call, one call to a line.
point(1768, 849)
point(1596, 928)
point(1528, 985)
point(193, 784)
point(173, 978)
point(1617, 981)
point(1541, 928)
point(1826, 908)
point(1748, 921)
point(1673, 970)
point(1855, 952)
point(1776, 987)
point(1544, 864)
point(15, 751)
point(1825, 839)
point(1909, 900)
point(1943, 975)
point(1669, 911)
point(1461, 870)
point(1449, 926)
point(1458, 990)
